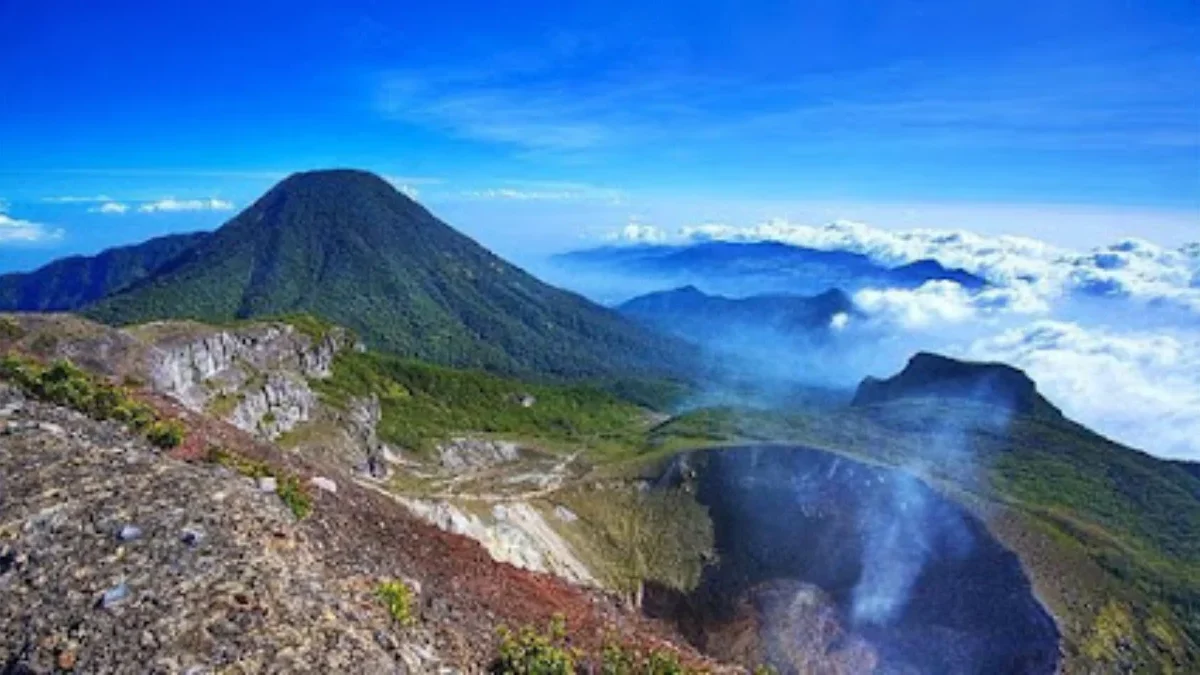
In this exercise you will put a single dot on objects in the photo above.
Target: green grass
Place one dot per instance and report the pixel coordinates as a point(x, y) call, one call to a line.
point(422, 404)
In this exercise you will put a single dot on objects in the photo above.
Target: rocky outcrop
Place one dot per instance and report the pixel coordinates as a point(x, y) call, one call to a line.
point(255, 377)
point(465, 453)
point(934, 376)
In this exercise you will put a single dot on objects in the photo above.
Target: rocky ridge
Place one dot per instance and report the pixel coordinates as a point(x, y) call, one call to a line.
point(128, 560)
point(255, 376)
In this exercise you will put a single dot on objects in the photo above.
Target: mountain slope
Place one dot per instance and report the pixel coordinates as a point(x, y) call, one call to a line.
point(346, 246)
point(71, 283)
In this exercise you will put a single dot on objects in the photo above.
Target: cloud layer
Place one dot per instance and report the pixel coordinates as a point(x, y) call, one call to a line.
point(1111, 335)
point(1132, 268)
point(1131, 385)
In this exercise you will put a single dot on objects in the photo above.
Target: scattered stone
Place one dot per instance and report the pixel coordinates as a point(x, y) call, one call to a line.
point(67, 659)
point(53, 428)
point(8, 560)
point(129, 533)
point(324, 484)
point(268, 484)
point(564, 514)
point(114, 595)
point(192, 536)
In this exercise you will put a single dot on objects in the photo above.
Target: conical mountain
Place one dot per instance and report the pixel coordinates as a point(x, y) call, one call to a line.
point(346, 246)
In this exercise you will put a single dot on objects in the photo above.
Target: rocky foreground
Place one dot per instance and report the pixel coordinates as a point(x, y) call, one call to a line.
point(116, 557)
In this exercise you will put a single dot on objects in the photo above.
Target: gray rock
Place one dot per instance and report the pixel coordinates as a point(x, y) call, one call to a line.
point(192, 536)
point(323, 483)
point(129, 533)
point(564, 514)
point(475, 453)
point(114, 595)
point(268, 484)
point(195, 369)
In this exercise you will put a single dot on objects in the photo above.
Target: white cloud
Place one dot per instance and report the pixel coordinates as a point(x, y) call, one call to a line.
point(171, 204)
point(409, 185)
point(942, 301)
point(519, 195)
point(1130, 268)
point(639, 233)
point(76, 200)
point(17, 231)
point(109, 208)
point(1140, 388)
point(547, 191)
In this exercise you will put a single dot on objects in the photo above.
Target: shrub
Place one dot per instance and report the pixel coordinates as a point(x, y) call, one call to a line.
point(10, 330)
point(397, 597)
point(531, 652)
point(295, 496)
point(63, 383)
point(165, 434)
point(534, 652)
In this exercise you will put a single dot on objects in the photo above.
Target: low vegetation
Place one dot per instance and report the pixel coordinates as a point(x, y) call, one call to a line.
point(397, 597)
point(422, 404)
point(531, 651)
point(631, 536)
point(10, 330)
point(65, 384)
point(288, 487)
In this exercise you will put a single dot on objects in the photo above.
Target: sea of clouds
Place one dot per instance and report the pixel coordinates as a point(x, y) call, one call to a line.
point(1111, 335)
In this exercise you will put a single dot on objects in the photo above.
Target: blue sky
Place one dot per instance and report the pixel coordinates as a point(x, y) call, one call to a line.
point(533, 125)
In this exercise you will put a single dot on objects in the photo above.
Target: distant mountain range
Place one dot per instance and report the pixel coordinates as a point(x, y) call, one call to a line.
point(346, 246)
point(747, 268)
point(71, 283)
point(700, 317)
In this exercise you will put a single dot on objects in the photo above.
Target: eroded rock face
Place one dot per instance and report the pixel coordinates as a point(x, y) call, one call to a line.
point(791, 624)
point(913, 576)
point(513, 532)
point(255, 377)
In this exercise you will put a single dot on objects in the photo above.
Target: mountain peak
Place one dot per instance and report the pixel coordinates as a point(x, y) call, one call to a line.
point(323, 178)
point(345, 245)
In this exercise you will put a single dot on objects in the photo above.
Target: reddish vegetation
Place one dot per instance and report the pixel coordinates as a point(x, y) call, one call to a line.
point(465, 594)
